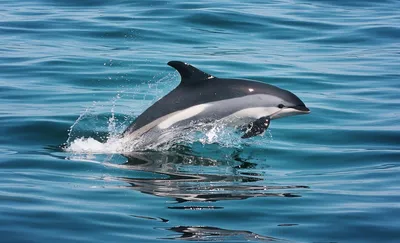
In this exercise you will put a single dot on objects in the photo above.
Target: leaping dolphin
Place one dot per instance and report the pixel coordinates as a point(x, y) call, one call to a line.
point(201, 97)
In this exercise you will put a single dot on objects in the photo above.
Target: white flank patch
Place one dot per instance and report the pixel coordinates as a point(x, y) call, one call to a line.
point(255, 112)
point(183, 115)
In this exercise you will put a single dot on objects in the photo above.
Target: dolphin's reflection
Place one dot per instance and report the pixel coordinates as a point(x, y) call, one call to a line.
point(204, 233)
point(192, 178)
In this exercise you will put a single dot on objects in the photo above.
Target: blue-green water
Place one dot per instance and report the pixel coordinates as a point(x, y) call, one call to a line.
point(85, 69)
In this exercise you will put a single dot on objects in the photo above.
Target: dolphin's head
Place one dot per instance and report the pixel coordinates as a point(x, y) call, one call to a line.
point(289, 104)
point(276, 102)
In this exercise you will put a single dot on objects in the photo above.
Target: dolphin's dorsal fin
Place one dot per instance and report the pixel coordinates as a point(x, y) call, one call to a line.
point(189, 74)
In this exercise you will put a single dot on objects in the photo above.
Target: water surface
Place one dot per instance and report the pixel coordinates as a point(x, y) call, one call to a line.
point(85, 69)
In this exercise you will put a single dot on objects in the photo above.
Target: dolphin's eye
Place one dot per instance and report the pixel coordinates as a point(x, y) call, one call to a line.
point(281, 106)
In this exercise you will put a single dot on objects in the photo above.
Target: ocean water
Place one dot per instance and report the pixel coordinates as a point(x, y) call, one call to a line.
point(74, 74)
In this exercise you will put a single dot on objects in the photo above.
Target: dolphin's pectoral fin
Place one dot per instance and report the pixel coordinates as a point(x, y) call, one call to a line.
point(256, 127)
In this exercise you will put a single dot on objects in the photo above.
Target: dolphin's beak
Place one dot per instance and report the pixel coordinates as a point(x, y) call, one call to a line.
point(301, 109)
point(290, 111)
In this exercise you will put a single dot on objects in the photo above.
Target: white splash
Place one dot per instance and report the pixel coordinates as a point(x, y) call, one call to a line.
point(93, 133)
point(203, 133)
point(86, 145)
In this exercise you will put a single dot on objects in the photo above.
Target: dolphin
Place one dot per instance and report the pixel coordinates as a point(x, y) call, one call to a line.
point(201, 97)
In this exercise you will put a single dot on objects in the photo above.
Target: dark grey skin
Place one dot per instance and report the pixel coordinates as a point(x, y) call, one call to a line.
point(234, 98)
